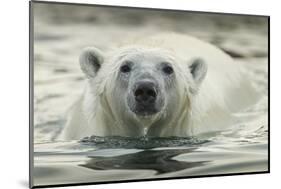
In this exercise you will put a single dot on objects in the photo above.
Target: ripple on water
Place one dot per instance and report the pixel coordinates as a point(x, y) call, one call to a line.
point(141, 142)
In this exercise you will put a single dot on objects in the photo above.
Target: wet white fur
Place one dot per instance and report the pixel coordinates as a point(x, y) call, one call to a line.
point(224, 90)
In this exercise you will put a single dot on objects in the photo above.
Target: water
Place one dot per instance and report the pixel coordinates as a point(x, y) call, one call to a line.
point(58, 81)
point(99, 159)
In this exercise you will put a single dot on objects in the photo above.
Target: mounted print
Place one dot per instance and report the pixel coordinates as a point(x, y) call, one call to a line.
point(121, 94)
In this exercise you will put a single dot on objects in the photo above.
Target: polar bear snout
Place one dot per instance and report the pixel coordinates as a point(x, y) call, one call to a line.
point(145, 93)
point(146, 98)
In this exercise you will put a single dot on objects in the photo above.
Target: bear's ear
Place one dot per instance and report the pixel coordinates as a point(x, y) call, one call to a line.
point(198, 69)
point(90, 61)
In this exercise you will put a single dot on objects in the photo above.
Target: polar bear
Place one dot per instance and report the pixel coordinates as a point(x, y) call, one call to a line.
point(158, 86)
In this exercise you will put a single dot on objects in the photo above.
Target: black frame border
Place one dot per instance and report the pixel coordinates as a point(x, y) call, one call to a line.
point(31, 97)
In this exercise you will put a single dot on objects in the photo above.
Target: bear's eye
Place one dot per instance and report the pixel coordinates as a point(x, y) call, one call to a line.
point(168, 70)
point(125, 68)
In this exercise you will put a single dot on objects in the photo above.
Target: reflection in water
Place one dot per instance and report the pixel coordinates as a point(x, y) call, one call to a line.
point(160, 161)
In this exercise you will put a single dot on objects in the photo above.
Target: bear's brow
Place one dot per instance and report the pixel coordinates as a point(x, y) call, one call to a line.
point(125, 53)
point(131, 52)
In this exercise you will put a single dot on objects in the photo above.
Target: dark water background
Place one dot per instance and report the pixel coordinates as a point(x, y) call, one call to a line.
point(61, 31)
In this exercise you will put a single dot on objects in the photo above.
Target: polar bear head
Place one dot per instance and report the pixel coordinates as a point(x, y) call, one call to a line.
point(141, 86)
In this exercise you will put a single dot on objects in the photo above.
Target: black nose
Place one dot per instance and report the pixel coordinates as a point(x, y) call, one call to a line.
point(145, 93)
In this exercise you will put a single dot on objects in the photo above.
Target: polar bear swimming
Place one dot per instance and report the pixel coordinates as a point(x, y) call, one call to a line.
point(162, 85)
